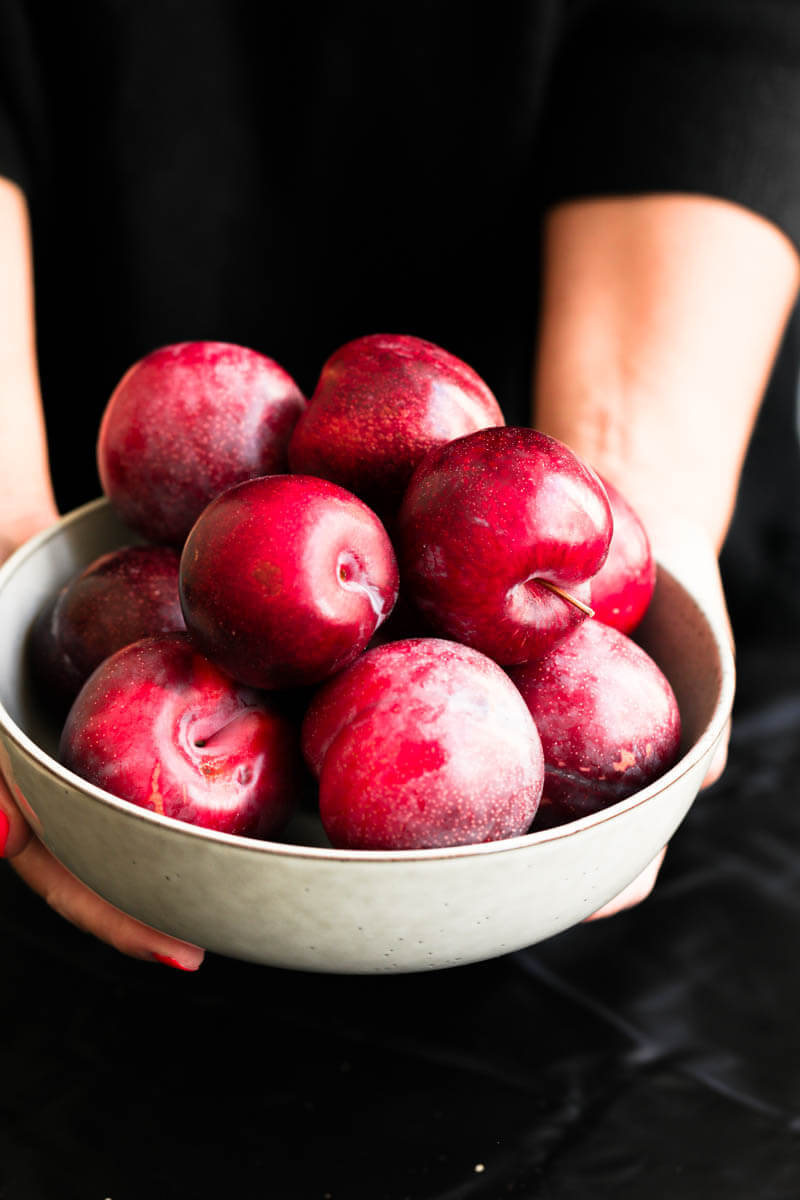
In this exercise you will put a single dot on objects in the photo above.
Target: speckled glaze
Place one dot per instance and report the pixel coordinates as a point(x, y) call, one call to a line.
point(423, 743)
point(159, 725)
point(484, 521)
point(284, 580)
point(125, 595)
point(607, 717)
point(621, 590)
point(298, 903)
point(380, 404)
point(186, 422)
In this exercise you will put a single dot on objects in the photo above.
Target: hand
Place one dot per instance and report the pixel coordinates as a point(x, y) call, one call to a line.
point(635, 892)
point(661, 314)
point(46, 876)
point(690, 556)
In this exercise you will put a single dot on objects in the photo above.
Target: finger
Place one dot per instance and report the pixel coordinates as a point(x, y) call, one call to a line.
point(67, 896)
point(634, 893)
point(720, 758)
point(15, 832)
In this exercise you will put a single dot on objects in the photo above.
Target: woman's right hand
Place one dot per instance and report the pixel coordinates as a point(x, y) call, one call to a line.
point(34, 863)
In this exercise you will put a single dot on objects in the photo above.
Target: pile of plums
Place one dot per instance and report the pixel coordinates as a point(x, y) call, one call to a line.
point(384, 587)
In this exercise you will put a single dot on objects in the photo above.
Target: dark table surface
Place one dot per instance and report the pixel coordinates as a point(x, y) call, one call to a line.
point(653, 1055)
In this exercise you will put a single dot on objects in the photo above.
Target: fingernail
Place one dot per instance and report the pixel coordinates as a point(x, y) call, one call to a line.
point(168, 961)
point(5, 825)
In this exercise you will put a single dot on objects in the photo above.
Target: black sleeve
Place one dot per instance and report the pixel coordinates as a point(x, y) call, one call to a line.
point(698, 96)
point(21, 108)
point(13, 163)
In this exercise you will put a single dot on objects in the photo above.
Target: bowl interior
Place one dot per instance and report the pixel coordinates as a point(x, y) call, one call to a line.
point(299, 903)
point(675, 632)
point(29, 580)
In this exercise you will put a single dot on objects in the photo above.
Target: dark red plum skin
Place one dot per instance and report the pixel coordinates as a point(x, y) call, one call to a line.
point(285, 579)
point(420, 744)
point(187, 422)
point(125, 595)
point(404, 622)
point(622, 589)
point(159, 725)
point(381, 402)
point(607, 717)
point(486, 522)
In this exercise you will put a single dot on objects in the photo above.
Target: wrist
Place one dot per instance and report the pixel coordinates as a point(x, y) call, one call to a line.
point(673, 477)
point(22, 524)
point(684, 514)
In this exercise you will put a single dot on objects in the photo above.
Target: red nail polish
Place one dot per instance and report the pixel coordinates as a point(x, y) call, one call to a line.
point(169, 961)
point(5, 825)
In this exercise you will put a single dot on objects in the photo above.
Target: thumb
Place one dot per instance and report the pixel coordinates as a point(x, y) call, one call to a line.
point(15, 832)
point(719, 759)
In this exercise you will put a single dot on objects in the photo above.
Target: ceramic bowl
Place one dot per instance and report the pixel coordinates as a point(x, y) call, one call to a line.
point(300, 904)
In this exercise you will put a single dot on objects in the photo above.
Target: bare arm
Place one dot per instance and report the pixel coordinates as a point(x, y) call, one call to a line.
point(26, 506)
point(662, 316)
point(26, 496)
point(661, 319)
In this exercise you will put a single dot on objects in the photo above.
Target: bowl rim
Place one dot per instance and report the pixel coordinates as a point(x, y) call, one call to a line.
point(64, 777)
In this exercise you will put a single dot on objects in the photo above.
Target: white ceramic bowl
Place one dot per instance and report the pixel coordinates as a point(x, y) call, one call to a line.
point(305, 905)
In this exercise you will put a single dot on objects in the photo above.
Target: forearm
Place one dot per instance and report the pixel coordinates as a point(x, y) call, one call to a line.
point(661, 319)
point(26, 496)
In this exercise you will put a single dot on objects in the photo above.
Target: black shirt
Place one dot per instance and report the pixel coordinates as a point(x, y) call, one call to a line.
point(290, 178)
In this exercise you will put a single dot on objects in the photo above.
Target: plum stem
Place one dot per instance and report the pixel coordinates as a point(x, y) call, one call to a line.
point(584, 608)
